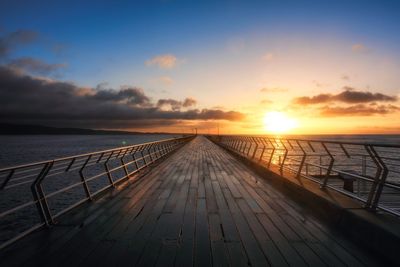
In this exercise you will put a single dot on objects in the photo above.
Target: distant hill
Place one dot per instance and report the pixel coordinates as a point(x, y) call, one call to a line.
point(18, 129)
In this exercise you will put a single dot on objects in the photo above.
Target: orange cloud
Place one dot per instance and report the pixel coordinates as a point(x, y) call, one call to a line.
point(358, 48)
point(167, 61)
point(166, 80)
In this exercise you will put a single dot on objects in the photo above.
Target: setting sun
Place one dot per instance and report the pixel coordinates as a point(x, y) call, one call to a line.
point(278, 122)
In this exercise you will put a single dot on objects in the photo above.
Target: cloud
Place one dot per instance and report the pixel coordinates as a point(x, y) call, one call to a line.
point(167, 61)
point(175, 104)
point(189, 101)
point(349, 95)
point(357, 110)
point(268, 57)
point(273, 90)
point(24, 98)
point(266, 102)
point(345, 77)
point(358, 48)
point(318, 99)
point(11, 41)
point(166, 80)
point(172, 103)
point(126, 95)
point(36, 66)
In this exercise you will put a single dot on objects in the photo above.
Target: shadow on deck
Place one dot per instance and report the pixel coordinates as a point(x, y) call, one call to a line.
point(198, 207)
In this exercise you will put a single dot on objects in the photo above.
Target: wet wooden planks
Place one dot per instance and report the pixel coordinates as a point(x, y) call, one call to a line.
point(200, 207)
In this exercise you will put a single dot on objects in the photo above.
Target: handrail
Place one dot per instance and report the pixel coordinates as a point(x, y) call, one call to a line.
point(368, 172)
point(83, 155)
point(56, 186)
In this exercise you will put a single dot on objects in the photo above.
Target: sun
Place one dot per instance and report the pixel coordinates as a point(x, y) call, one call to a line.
point(277, 122)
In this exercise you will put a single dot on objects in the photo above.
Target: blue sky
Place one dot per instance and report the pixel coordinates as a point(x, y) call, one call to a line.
point(217, 44)
point(96, 34)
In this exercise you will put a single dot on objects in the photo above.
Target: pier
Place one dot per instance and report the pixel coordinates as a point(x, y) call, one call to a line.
point(198, 206)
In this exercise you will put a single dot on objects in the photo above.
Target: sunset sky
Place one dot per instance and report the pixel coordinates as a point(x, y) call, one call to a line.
point(316, 67)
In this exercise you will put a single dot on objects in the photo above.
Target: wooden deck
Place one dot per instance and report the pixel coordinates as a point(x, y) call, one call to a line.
point(199, 207)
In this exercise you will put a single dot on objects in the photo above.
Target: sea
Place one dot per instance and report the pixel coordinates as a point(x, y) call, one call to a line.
point(22, 149)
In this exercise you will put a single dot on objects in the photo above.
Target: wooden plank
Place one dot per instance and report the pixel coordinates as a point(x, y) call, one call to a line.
point(220, 255)
point(228, 225)
point(271, 252)
point(186, 242)
point(202, 251)
point(248, 239)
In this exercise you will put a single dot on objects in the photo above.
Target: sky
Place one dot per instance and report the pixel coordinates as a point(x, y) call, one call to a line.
point(240, 67)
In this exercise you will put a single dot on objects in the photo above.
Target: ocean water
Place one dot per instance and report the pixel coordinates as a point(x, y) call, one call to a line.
point(21, 149)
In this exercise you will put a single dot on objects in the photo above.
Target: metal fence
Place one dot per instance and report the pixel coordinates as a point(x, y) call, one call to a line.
point(35, 195)
point(369, 173)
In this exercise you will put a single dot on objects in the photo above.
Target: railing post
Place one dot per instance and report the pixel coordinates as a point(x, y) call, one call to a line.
point(377, 175)
point(382, 179)
point(243, 148)
point(39, 196)
point(303, 158)
point(157, 151)
point(10, 174)
point(134, 158)
point(241, 145)
point(149, 152)
point(284, 156)
point(109, 175)
point(364, 165)
point(263, 150)
point(238, 142)
point(84, 183)
point(272, 153)
point(331, 162)
point(143, 157)
point(256, 148)
point(125, 168)
point(251, 144)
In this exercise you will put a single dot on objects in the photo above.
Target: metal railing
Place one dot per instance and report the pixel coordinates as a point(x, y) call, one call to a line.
point(56, 186)
point(369, 173)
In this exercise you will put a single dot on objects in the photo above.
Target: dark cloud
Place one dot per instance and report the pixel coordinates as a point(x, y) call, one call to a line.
point(318, 99)
point(349, 95)
point(126, 95)
point(216, 114)
point(174, 104)
point(12, 40)
point(29, 99)
point(358, 110)
point(35, 66)
point(345, 77)
point(189, 102)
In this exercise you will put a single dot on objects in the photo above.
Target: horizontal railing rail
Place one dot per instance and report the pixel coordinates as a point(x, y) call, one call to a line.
point(56, 186)
point(367, 172)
